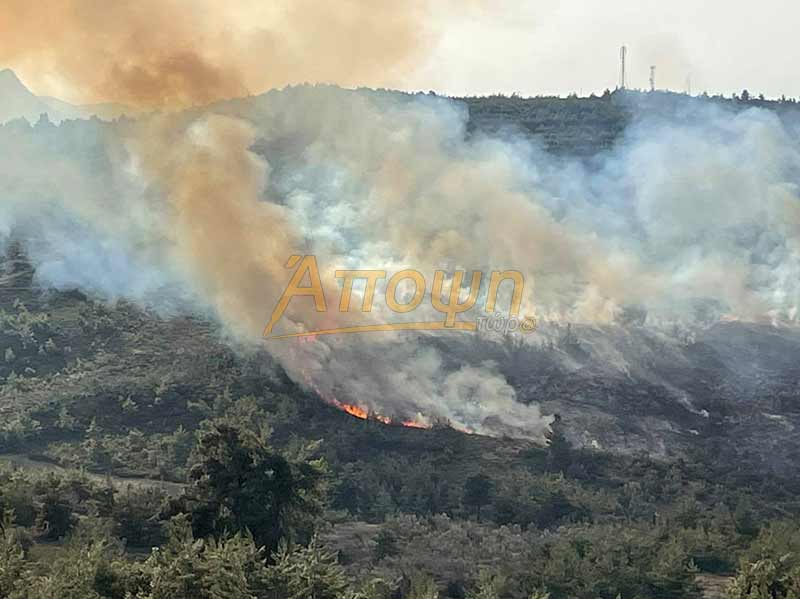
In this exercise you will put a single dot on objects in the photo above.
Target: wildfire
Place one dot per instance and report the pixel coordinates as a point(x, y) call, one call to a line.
point(358, 411)
point(363, 414)
point(353, 410)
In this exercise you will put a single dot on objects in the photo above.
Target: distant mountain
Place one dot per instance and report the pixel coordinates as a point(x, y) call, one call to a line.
point(17, 101)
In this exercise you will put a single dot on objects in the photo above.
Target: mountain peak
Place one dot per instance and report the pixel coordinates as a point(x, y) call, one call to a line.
point(12, 89)
point(16, 100)
point(9, 77)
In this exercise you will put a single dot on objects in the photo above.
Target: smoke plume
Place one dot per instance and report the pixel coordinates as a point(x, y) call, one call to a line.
point(177, 221)
point(178, 53)
point(199, 210)
point(203, 213)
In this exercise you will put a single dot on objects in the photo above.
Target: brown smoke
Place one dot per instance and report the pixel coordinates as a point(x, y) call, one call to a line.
point(218, 230)
point(177, 53)
point(231, 244)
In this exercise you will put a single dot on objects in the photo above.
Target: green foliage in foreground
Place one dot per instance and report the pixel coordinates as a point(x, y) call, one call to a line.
point(771, 567)
point(240, 483)
point(251, 523)
point(93, 566)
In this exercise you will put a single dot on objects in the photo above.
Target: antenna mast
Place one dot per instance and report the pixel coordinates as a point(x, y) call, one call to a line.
point(622, 53)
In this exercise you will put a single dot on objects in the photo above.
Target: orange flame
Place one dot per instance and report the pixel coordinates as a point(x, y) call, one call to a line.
point(362, 413)
point(354, 410)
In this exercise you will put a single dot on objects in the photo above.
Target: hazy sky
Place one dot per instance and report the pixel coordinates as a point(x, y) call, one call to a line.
point(533, 47)
point(84, 50)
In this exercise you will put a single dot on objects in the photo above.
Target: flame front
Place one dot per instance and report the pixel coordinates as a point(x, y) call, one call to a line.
point(354, 410)
point(363, 414)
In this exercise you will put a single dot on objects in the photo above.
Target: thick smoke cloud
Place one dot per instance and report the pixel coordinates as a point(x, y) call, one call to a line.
point(691, 221)
point(207, 232)
point(198, 211)
point(178, 53)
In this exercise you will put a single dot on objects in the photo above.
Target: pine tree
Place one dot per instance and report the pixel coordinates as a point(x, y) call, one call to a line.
point(306, 573)
point(242, 484)
point(189, 568)
point(13, 566)
point(478, 491)
point(490, 586)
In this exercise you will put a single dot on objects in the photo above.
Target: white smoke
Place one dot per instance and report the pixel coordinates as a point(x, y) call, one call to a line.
point(201, 215)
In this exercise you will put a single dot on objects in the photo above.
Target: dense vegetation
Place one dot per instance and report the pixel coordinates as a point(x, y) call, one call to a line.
point(576, 126)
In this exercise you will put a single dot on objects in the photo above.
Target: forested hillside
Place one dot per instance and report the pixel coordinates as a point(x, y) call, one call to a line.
point(146, 456)
point(586, 126)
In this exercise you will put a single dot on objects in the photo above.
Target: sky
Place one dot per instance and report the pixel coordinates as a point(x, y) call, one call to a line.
point(89, 51)
point(534, 47)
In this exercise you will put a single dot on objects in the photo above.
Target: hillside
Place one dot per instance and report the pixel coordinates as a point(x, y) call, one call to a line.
point(671, 459)
point(590, 125)
point(119, 392)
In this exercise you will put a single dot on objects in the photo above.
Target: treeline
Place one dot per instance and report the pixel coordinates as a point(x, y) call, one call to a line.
point(586, 126)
